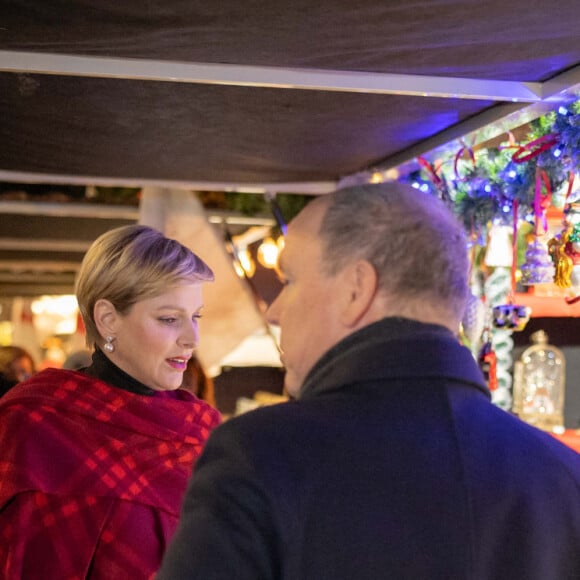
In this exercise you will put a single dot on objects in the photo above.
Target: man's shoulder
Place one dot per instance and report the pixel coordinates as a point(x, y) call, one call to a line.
point(268, 426)
point(261, 417)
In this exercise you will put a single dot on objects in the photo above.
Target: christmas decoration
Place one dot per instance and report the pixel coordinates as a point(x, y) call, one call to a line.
point(482, 184)
point(487, 360)
point(511, 316)
point(539, 384)
point(497, 290)
point(539, 266)
point(564, 249)
point(513, 183)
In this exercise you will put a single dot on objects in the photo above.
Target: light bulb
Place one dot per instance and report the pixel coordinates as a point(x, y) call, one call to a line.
point(268, 253)
point(244, 266)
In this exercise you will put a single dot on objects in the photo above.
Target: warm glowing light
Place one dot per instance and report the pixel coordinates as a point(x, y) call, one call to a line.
point(60, 305)
point(268, 253)
point(246, 265)
point(55, 314)
point(6, 330)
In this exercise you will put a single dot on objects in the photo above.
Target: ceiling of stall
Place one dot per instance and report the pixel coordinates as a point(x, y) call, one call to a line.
point(253, 96)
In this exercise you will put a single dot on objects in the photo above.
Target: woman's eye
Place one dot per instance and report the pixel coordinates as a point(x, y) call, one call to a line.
point(168, 320)
point(197, 316)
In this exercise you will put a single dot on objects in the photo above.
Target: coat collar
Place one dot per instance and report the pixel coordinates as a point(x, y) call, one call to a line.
point(390, 349)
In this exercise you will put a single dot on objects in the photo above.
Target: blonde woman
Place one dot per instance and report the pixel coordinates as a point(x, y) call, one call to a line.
point(95, 461)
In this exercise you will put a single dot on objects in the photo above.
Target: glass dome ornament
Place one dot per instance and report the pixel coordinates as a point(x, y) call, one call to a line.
point(539, 266)
point(539, 385)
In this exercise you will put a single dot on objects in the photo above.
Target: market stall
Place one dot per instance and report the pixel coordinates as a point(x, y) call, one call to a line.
point(474, 102)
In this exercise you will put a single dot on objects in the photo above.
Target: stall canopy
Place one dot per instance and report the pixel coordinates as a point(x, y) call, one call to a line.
point(266, 95)
point(294, 97)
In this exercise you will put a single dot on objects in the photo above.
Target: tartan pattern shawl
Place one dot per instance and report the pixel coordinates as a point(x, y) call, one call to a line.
point(92, 476)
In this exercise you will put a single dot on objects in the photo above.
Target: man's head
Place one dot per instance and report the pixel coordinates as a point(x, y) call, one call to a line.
point(359, 255)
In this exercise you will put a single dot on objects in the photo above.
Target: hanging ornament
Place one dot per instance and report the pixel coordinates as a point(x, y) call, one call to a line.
point(487, 361)
point(564, 249)
point(562, 261)
point(572, 221)
point(512, 316)
point(499, 249)
point(538, 267)
point(572, 249)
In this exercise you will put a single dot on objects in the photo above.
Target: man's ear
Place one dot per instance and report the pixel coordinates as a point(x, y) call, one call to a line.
point(360, 288)
point(106, 317)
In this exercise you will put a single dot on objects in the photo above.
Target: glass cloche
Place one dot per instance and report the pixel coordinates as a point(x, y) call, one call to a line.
point(539, 384)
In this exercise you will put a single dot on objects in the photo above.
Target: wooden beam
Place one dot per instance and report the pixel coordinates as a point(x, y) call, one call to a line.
point(269, 77)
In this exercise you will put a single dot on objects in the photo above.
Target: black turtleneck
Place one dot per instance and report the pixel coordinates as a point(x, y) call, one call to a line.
point(103, 369)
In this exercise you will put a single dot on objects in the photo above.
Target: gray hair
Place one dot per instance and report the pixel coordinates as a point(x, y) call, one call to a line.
point(414, 242)
point(129, 264)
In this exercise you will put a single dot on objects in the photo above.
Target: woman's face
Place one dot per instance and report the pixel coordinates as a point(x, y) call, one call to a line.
point(156, 338)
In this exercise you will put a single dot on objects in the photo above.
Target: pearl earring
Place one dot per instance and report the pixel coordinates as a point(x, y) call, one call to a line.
point(109, 346)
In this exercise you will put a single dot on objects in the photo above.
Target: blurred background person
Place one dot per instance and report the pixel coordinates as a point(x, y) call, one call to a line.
point(78, 359)
point(95, 461)
point(198, 382)
point(16, 365)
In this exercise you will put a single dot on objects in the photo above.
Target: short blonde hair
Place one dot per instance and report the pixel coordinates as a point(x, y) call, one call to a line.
point(129, 264)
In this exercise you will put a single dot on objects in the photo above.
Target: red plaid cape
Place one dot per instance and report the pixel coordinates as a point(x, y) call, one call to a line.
point(92, 476)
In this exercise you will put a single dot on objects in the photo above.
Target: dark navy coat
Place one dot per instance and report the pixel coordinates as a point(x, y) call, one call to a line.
point(394, 464)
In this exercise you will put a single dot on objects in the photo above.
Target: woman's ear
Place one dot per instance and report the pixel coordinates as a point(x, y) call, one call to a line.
point(106, 317)
point(360, 289)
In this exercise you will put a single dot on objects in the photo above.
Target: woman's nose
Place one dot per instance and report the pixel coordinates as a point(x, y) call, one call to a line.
point(190, 336)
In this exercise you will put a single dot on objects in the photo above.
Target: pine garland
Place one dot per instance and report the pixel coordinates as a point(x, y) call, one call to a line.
point(483, 186)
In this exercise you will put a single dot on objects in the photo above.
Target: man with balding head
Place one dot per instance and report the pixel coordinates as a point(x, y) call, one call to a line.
point(391, 462)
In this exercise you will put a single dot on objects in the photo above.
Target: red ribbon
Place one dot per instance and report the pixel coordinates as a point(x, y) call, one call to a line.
point(570, 187)
point(431, 170)
point(542, 202)
point(458, 156)
point(514, 250)
point(574, 299)
point(487, 360)
point(491, 359)
point(535, 147)
point(511, 143)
